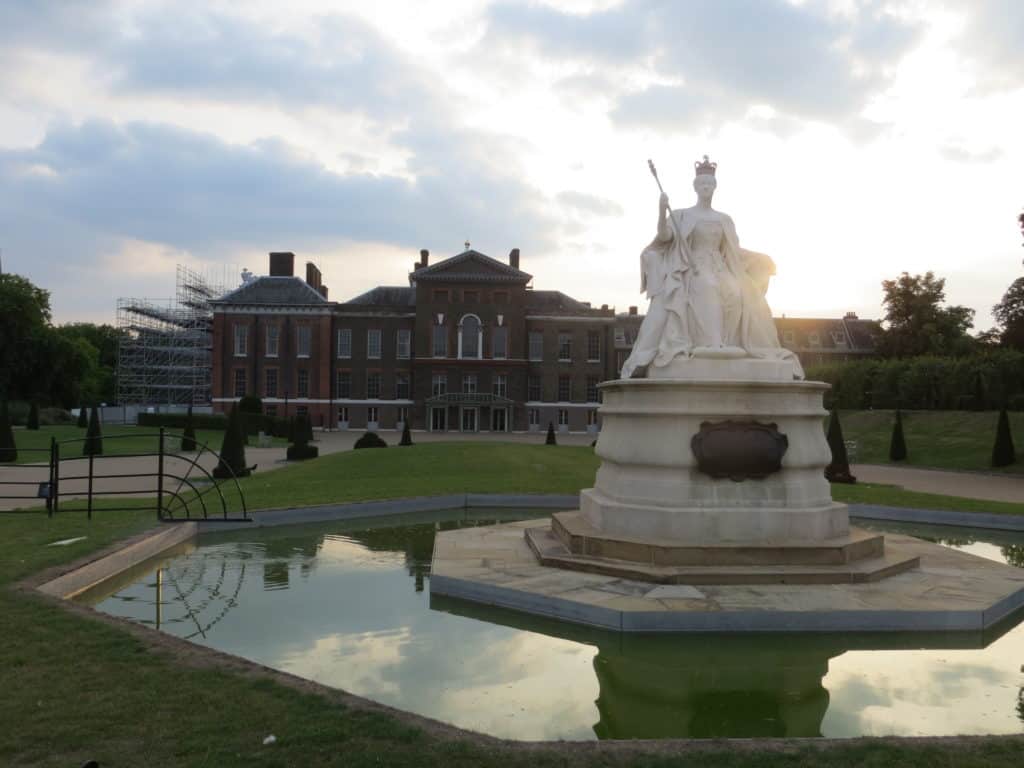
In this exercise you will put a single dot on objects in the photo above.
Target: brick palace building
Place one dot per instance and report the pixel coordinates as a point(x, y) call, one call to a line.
point(467, 346)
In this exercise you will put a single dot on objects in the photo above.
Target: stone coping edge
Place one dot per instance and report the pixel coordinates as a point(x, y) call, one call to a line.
point(726, 621)
point(80, 579)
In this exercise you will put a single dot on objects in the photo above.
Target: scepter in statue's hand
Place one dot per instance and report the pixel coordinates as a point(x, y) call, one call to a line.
point(665, 208)
point(654, 173)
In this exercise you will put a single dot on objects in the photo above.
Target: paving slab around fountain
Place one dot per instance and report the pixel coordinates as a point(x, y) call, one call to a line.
point(948, 590)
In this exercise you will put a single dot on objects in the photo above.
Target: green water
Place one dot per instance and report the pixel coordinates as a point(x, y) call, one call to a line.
point(348, 605)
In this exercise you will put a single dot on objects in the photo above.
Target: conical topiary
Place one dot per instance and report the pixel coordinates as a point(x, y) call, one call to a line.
point(83, 417)
point(897, 446)
point(93, 445)
point(301, 449)
point(1003, 453)
point(33, 416)
point(188, 438)
point(406, 434)
point(550, 439)
point(838, 470)
point(232, 450)
point(8, 449)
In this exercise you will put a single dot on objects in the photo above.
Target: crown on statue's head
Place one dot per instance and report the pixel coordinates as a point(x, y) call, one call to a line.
point(705, 167)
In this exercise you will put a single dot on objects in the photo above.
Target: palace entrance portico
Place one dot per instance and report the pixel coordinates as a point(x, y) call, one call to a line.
point(469, 412)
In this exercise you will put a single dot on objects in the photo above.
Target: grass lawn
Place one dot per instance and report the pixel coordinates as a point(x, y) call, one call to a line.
point(77, 688)
point(942, 439)
point(34, 445)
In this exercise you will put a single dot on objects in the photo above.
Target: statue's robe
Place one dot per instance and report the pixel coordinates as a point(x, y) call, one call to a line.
point(672, 328)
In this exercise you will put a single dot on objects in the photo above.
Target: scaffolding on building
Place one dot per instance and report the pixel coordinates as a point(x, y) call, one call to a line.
point(164, 357)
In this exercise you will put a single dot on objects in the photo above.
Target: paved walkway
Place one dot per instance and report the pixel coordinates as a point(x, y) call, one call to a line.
point(973, 485)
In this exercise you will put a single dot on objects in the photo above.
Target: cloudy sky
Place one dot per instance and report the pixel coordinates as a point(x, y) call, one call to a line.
point(855, 139)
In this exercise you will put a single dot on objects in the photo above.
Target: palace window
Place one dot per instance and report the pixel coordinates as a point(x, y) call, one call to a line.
point(469, 383)
point(241, 340)
point(536, 345)
point(403, 414)
point(401, 386)
point(240, 382)
point(563, 417)
point(372, 415)
point(533, 414)
point(564, 389)
point(373, 386)
point(501, 385)
point(564, 347)
point(594, 346)
point(304, 336)
point(592, 382)
point(500, 343)
point(373, 344)
point(533, 388)
point(470, 337)
point(344, 342)
point(440, 347)
point(270, 389)
point(403, 344)
point(343, 381)
point(438, 384)
point(302, 390)
point(273, 340)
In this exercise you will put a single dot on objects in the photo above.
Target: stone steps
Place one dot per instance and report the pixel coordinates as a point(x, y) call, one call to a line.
point(581, 538)
point(551, 551)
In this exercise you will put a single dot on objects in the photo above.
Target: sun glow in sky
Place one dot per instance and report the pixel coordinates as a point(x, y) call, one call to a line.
point(855, 139)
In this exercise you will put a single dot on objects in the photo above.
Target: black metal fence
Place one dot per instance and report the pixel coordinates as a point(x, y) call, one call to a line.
point(190, 494)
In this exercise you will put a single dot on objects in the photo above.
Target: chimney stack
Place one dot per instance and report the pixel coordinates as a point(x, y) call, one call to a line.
point(282, 264)
point(323, 291)
point(513, 258)
point(632, 310)
point(424, 257)
point(312, 276)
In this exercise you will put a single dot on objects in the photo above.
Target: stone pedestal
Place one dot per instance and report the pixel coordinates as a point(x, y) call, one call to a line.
point(652, 484)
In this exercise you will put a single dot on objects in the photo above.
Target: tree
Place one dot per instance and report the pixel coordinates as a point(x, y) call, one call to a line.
point(8, 448)
point(1009, 314)
point(301, 450)
point(188, 438)
point(33, 417)
point(406, 434)
point(897, 445)
point(550, 439)
point(24, 318)
point(93, 445)
point(83, 417)
point(1003, 454)
point(916, 324)
point(99, 382)
point(838, 470)
point(232, 449)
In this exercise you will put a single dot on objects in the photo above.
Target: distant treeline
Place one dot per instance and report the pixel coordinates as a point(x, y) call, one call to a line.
point(984, 381)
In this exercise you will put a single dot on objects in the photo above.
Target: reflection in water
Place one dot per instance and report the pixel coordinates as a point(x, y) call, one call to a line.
point(344, 604)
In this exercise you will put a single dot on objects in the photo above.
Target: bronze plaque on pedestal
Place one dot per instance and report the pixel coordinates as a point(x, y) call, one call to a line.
point(739, 450)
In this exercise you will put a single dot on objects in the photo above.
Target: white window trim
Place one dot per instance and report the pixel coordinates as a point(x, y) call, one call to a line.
point(479, 338)
point(503, 329)
point(560, 358)
point(398, 344)
point(529, 347)
point(241, 350)
point(341, 332)
point(277, 340)
point(298, 343)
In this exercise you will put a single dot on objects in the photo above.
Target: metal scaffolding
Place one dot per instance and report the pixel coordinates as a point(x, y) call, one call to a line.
point(164, 357)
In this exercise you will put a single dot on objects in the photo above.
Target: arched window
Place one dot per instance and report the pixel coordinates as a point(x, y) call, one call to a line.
point(471, 334)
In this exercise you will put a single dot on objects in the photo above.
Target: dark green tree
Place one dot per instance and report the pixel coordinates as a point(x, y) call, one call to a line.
point(93, 445)
point(1003, 453)
point(8, 448)
point(550, 439)
point(232, 449)
point(838, 470)
point(406, 434)
point(188, 437)
point(897, 445)
point(33, 417)
point(917, 324)
point(83, 417)
point(1009, 314)
point(370, 440)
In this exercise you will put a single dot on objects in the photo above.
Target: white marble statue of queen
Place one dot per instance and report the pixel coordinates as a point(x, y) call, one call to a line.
point(707, 295)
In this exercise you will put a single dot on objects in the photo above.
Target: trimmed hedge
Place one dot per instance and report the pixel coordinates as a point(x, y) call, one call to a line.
point(985, 381)
point(253, 423)
point(370, 440)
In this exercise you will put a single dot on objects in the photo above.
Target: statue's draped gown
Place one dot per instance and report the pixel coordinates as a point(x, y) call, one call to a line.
point(705, 292)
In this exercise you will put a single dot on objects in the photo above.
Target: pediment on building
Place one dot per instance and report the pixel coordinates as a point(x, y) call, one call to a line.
point(471, 266)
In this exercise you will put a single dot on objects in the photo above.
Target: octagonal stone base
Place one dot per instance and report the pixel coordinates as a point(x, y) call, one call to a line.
point(950, 590)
